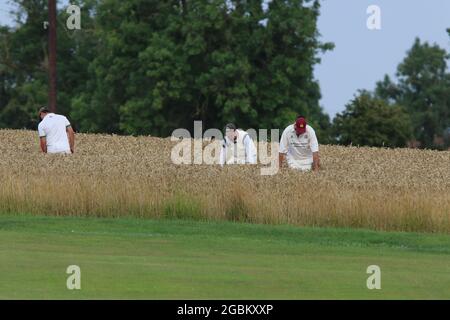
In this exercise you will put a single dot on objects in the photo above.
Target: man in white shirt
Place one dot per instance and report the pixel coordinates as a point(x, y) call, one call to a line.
point(299, 146)
point(55, 133)
point(237, 147)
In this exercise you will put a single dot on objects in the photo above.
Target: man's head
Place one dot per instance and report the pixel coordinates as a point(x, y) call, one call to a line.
point(230, 131)
point(300, 125)
point(43, 111)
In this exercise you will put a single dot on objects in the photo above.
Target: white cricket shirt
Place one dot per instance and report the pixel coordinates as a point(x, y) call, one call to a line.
point(241, 152)
point(53, 127)
point(299, 149)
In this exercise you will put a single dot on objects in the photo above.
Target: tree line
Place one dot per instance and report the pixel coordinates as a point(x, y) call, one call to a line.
point(148, 67)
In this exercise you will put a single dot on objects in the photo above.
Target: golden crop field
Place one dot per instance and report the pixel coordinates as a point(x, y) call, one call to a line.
point(109, 175)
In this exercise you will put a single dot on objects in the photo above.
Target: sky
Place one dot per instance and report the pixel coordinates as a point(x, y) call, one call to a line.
point(362, 57)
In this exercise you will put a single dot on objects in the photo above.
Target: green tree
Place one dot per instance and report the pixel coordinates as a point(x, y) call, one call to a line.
point(370, 121)
point(24, 62)
point(423, 88)
point(150, 66)
point(23, 65)
point(165, 64)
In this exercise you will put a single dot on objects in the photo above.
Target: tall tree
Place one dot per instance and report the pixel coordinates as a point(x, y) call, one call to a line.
point(370, 121)
point(165, 64)
point(424, 89)
point(24, 61)
point(150, 66)
point(23, 65)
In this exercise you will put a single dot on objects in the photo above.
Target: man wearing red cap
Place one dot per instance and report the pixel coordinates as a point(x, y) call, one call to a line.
point(299, 146)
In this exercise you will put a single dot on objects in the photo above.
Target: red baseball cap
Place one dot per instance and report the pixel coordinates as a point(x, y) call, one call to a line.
point(300, 125)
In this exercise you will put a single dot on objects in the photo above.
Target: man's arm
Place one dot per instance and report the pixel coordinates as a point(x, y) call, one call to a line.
point(250, 150)
point(42, 137)
point(314, 144)
point(316, 161)
point(71, 136)
point(222, 154)
point(281, 159)
point(283, 149)
point(43, 143)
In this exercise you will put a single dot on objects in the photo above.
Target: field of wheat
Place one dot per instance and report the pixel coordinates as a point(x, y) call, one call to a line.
point(109, 175)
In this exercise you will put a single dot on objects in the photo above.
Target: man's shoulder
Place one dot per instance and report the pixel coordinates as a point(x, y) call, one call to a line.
point(309, 128)
point(42, 128)
point(60, 117)
point(289, 128)
point(242, 131)
point(42, 124)
point(311, 133)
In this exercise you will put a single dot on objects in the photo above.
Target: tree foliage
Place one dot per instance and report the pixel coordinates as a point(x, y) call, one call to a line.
point(423, 88)
point(150, 66)
point(371, 121)
point(24, 62)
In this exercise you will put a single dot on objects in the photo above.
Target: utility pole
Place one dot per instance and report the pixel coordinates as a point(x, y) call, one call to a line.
point(52, 55)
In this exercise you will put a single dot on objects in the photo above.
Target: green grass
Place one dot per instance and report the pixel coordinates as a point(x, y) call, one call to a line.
point(133, 258)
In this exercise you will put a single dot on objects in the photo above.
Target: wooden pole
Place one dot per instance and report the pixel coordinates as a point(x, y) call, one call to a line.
point(52, 55)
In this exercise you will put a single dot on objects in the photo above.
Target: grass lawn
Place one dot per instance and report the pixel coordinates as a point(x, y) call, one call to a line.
point(131, 258)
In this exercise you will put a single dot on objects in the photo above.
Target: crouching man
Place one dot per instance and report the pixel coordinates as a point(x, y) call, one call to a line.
point(55, 133)
point(237, 147)
point(299, 146)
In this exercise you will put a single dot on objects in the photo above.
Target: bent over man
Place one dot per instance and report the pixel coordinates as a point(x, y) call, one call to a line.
point(299, 146)
point(237, 147)
point(55, 133)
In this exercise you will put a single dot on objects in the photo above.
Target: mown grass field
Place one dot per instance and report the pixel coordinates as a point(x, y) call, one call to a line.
point(132, 258)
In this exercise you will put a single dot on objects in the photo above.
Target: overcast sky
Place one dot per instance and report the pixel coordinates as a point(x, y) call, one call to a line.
point(362, 56)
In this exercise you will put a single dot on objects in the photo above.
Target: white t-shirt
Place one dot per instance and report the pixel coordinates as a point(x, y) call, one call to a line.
point(299, 149)
point(244, 151)
point(53, 127)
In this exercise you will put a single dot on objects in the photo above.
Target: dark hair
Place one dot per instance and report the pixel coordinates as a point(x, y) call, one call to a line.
point(229, 126)
point(44, 109)
point(300, 116)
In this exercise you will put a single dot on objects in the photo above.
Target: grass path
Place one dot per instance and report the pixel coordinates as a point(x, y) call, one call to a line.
point(132, 258)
